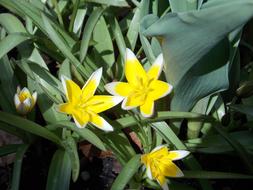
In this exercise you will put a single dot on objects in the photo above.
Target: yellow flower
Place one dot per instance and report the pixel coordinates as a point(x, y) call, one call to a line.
point(24, 101)
point(159, 164)
point(143, 88)
point(83, 105)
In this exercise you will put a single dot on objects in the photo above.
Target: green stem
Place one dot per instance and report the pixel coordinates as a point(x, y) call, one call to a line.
point(55, 3)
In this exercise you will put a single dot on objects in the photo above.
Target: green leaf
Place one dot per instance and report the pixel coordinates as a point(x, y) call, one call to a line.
point(127, 173)
point(187, 44)
point(84, 133)
point(183, 5)
point(11, 24)
point(71, 147)
point(117, 3)
point(29, 126)
point(87, 32)
point(8, 85)
point(215, 175)
point(59, 171)
point(11, 41)
point(103, 49)
point(161, 116)
point(8, 149)
point(17, 166)
point(63, 47)
point(216, 144)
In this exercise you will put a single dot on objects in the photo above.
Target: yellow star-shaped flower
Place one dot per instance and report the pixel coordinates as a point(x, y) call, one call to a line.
point(142, 88)
point(83, 105)
point(159, 164)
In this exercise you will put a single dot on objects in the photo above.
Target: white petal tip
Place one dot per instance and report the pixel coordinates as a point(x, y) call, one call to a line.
point(159, 60)
point(35, 95)
point(110, 87)
point(180, 154)
point(129, 54)
point(16, 100)
point(117, 99)
point(97, 75)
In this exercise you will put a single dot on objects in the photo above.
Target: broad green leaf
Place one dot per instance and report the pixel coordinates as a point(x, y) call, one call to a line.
point(183, 5)
point(16, 174)
point(118, 3)
point(29, 126)
point(127, 173)
point(186, 68)
point(59, 171)
point(87, 32)
point(11, 41)
point(11, 23)
point(103, 49)
point(85, 133)
point(215, 175)
point(8, 149)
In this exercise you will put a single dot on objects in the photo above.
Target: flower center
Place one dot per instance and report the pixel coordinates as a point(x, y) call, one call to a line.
point(143, 88)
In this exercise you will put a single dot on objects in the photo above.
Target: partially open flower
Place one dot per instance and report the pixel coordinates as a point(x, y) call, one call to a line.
point(159, 164)
point(24, 101)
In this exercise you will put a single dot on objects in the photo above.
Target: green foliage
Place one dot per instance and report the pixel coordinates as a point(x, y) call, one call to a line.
point(40, 41)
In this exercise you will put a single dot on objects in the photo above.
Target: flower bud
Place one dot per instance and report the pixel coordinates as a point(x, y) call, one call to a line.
point(24, 101)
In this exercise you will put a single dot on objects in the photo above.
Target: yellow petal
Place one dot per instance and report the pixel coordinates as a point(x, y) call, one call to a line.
point(159, 89)
point(65, 108)
point(34, 98)
point(170, 169)
point(156, 69)
point(101, 103)
point(72, 90)
point(100, 123)
point(81, 118)
point(178, 154)
point(91, 85)
point(24, 94)
point(162, 181)
point(134, 71)
point(147, 109)
point(119, 88)
point(132, 101)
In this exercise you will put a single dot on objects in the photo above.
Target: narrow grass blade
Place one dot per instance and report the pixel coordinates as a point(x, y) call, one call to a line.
point(29, 126)
point(17, 167)
point(127, 173)
point(84, 133)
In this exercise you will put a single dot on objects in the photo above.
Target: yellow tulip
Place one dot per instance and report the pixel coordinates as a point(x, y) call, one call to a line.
point(83, 105)
point(24, 101)
point(142, 88)
point(159, 164)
